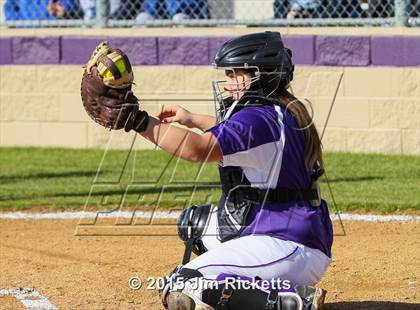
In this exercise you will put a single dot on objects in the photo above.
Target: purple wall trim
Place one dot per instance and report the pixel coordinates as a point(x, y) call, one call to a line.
point(395, 51)
point(303, 48)
point(183, 51)
point(401, 51)
point(342, 51)
point(36, 50)
point(141, 51)
point(6, 51)
point(77, 50)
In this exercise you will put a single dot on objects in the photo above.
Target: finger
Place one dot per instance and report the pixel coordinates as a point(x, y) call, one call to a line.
point(167, 111)
point(170, 119)
point(162, 115)
point(170, 109)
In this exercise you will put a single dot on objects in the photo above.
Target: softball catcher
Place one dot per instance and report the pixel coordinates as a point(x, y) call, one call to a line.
point(271, 225)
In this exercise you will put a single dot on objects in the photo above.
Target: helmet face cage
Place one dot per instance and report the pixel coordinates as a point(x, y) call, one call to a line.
point(227, 95)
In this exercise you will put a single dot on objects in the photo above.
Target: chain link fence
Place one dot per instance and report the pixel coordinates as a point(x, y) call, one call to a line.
point(150, 13)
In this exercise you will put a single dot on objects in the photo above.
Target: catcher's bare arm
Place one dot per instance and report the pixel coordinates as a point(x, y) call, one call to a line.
point(171, 114)
point(182, 142)
point(107, 96)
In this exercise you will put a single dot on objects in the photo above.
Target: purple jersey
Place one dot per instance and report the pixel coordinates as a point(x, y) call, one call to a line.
point(266, 143)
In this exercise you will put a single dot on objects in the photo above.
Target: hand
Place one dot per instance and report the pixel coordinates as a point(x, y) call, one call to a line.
point(176, 114)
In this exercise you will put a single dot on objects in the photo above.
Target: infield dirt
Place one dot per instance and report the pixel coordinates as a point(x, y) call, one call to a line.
point(375, 265)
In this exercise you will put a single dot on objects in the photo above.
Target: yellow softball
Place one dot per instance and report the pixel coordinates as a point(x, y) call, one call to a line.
point(120, 65)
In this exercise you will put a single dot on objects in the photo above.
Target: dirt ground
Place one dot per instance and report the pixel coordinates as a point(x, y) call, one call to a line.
point(375, 265)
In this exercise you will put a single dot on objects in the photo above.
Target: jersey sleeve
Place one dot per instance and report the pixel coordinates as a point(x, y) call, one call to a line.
point(251, 138)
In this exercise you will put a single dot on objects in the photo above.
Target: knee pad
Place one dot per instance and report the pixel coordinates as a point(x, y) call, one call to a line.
point(191, 225)
point(225, 294)
point(244, 293)
point(251, 299)
point(229, 297)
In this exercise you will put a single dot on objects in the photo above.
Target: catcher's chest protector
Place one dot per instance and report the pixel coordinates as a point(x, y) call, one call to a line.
point(238, 197)
point(233, 208)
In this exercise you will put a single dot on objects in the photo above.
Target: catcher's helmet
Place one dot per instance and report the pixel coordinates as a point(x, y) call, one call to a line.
point(261, 54)
point(264, 50)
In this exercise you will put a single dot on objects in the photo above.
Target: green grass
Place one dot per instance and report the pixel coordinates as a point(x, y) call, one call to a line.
point(63, 178)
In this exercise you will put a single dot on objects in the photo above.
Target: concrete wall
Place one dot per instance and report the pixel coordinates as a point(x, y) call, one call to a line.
point(377, 108)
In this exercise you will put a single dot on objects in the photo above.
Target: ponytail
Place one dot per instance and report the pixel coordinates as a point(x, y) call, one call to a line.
point(313, 145)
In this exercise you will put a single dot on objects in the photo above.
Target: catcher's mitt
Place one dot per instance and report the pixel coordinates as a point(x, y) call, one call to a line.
point(106, 89)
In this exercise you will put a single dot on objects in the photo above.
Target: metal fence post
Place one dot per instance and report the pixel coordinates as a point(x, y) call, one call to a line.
point(101, 13)
point(401, 14)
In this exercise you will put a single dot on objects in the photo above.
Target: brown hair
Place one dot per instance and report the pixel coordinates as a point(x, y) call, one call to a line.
point(313, 146)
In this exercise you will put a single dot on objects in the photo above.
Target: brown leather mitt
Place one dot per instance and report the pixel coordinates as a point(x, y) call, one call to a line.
point(106, 88)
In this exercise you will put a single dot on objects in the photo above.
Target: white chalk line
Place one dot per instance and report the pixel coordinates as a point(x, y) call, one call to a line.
point(175, 215)
point(30, 298)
